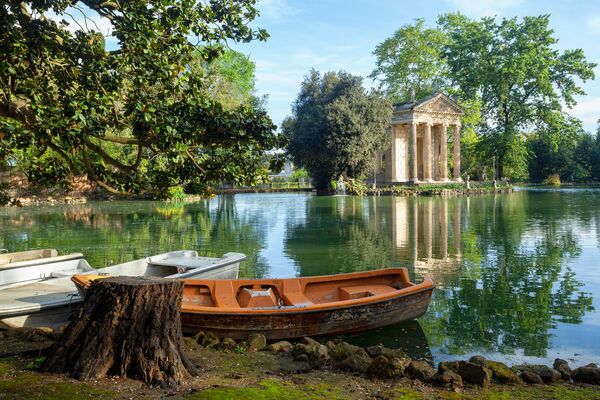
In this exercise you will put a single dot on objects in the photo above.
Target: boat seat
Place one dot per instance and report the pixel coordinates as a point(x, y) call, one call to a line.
point(224, 295)
point(292, 294)
point(359, 291)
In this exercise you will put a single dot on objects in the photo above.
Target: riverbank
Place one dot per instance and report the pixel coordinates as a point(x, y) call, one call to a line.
point(249, 370)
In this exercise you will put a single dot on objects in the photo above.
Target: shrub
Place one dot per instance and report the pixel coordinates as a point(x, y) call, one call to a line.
point(553, 179)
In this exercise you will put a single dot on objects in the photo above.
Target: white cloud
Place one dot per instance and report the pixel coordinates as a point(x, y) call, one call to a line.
point(593, 23)
point(277, 9)
point(481, 8)
point(588, 111)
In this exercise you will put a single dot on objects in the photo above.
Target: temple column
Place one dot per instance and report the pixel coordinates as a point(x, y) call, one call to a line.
point(443, 152)
point(428, 228)
point(444, 227)
point(456, 149)
point(394, 177)
point(456, 227)
point(427, 161)
point(413, 152)
point(414, 219)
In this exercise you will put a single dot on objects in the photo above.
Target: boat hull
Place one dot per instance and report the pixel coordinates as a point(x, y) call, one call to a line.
point(298, 323)
point(49, 303)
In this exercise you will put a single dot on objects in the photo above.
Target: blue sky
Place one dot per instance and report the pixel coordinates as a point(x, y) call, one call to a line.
point(335, 34)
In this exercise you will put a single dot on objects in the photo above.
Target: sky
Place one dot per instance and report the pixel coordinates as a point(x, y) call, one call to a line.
point(330, 35)
point(333, 35)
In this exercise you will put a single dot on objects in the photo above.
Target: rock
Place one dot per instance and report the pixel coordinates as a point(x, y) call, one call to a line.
point(257, 342)
point(547, 374)
point(420, 370)
point(301, 358)
point(383, 367)
point(228, 344)
point(474, 373)
point(591, 365)
point(374, 351)
point(448, 378)
point(502, 374)
point(199, 336)
point(277, 347)
point(562, 366)
point(479, 360)
point(343, 350)
point(317, 354)
point(448, 366)
point(531, 377)
point(309, 342)
point(299, 349)
point(356, 362)
point(587, 375)
point(191, 343)
point(210, 340)
point(393, 353)
point(332, 343)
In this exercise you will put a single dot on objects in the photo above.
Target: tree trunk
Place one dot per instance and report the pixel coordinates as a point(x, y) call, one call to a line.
point(127, 327)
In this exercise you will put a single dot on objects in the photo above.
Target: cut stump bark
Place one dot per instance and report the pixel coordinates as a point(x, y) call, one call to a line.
point(127, 326)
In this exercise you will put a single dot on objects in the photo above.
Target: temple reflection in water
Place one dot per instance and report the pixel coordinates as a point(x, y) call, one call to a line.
point(426, 231)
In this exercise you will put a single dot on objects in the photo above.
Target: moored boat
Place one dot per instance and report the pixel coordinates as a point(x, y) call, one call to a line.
point(37, 265)
point(296, 307)
point(29, 304)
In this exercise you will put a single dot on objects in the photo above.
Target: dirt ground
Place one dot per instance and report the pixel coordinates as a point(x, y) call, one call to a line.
point(240, 374)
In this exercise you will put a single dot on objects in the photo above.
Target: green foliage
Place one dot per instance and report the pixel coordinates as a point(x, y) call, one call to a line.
point(36, 364)
point(553, 180)
point(520, 78)
point(411, 60)
point(4, 196)
point(298, 174)
point(336, 127)
point(137, 118)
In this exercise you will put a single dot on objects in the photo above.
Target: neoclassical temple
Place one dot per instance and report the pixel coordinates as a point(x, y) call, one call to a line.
point(420, 133)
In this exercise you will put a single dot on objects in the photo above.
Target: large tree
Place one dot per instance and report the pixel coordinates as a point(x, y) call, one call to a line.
point(336, 127)
point(133, 118)
point(523, 81)
point(410, 62)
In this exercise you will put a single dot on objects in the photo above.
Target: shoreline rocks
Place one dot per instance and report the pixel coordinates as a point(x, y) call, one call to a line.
point(379, 362)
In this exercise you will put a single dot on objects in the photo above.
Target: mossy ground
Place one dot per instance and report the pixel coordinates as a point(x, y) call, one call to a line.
point(257, 376)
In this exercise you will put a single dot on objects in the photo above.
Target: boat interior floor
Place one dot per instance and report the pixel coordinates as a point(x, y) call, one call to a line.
point(288, 294)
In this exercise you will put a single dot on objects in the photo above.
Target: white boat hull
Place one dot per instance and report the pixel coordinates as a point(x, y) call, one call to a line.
point(49, 303)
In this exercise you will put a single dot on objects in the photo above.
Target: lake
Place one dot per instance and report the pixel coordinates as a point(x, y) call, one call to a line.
point(517, 275)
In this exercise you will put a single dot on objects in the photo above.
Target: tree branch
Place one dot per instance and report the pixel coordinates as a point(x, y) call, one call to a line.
point(108, 159)
point(119, 139)
point(92, 175)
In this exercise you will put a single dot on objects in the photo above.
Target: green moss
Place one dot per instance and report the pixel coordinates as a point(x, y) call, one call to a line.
point(271, 389)
point(24, 385)
point(406, 394)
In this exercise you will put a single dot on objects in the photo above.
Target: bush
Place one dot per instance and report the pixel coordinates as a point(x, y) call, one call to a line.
point(298, 174)
point(553, 179)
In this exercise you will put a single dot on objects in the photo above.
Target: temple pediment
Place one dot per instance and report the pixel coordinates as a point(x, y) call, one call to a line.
point(439, 103)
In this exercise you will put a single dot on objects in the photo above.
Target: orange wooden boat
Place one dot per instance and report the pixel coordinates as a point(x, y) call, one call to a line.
point(296, 307)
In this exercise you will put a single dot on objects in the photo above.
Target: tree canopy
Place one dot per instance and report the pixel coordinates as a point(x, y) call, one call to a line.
point(520, 77)
point(410, 62)
point(336, 127)
point(509, 77)
point(135, 118)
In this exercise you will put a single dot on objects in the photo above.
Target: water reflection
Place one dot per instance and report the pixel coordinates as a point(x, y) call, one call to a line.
point(514, 273)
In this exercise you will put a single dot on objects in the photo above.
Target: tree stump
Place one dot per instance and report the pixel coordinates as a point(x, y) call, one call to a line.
point(127, 326)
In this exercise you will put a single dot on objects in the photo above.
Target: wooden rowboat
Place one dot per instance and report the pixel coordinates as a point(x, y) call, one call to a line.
point(296, 307)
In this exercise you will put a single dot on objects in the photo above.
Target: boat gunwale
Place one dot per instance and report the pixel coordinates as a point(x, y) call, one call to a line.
point(40, 261)
point(293, 310)
point(426, 285)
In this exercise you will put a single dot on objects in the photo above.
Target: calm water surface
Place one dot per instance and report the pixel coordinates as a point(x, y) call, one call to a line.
point(518, 275)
